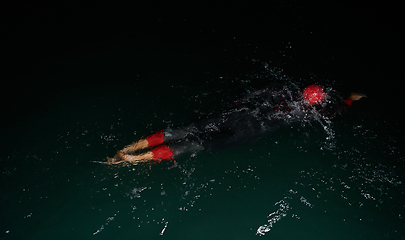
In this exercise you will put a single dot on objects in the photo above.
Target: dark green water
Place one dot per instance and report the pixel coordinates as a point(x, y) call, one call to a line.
point(292, 184)
point(83, 80)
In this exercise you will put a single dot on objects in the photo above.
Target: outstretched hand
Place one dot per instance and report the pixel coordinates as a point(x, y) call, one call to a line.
point(357, 96)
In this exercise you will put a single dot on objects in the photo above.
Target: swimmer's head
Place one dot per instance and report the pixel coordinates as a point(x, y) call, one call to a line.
point(313, 94)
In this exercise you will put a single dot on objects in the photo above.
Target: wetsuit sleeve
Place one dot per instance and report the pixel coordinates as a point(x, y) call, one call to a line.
point(348, 102)
point(337, 110)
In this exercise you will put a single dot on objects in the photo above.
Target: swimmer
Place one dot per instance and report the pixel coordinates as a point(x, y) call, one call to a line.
point(257, 113)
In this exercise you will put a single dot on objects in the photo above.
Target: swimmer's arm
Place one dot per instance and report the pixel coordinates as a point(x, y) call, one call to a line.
point(333, 112)
point(354, 97)
point(357, 96)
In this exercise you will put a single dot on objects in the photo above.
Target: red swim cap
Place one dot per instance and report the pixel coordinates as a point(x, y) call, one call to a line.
point(313, 94)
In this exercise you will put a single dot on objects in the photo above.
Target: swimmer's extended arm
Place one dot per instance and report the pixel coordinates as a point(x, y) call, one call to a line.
point(354, 97)
point(333, 112)
point(357, 96)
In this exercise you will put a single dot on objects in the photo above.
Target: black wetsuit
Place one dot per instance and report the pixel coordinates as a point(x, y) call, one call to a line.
point(257, 113)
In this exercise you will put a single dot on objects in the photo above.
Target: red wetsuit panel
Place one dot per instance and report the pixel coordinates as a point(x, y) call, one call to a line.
point(162, 152)
point(349, 102)
point(155, 139)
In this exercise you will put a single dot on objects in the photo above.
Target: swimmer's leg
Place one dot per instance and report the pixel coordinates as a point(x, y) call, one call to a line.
point(157, 139)
point(136, 159)
point(135, 146)
point(149, 142)
point(179, 148)
point(157, 154)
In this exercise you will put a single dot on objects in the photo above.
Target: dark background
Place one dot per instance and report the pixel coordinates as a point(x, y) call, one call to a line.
point(360, 46)
point(64, 62)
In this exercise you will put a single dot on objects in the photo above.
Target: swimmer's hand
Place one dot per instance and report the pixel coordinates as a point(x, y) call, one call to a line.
point(357, 96)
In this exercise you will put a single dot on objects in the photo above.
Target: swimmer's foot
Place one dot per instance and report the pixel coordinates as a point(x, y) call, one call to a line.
point(118, 158)
point(111, 160)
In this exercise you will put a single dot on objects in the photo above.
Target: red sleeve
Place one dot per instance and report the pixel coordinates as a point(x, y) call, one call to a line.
point(348, 102)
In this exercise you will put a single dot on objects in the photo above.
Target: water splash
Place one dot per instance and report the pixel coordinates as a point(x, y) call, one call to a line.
point(284, 206)
point(274, 217)
point(108, 220)
point(164, 228)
